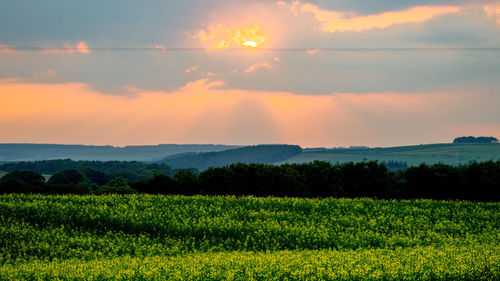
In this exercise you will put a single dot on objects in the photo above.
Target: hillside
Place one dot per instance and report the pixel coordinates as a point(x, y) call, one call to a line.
point(413, 155)
point(33, 152)
point(204, 156)
point(264, 154)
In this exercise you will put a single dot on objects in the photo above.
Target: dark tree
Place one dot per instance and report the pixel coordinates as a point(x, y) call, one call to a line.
point(22, 182)
point(96, 176)
point(187, 181)
point(116, 186)
point(25, 176)
point(157, 184)
point(67, 176)
point(475, 140)
point(475, 181)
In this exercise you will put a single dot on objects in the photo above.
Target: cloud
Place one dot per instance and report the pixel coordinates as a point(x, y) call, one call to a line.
point(338, 21)
point(133, 89)
point(493, 11)
point(221, 37)
point(8, 50)
point(160, 47)
point(257, 66)
point(80, 48)
point(202, 112)
point(313, 51)
point(192, 69)
point(46, 73)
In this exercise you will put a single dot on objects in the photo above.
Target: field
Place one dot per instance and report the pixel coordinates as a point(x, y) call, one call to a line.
point(146, 237)
point(414, 155)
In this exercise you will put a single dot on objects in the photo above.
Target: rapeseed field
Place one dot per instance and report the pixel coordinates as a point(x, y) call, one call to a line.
point(149, 237)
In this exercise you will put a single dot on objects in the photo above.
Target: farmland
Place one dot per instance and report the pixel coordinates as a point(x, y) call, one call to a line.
point(150, 237)
point(413, 155)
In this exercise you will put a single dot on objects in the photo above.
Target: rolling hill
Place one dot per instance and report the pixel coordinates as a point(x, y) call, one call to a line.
point(10, 152)
point(265, 154)
point(204, 156)
point(413, 155)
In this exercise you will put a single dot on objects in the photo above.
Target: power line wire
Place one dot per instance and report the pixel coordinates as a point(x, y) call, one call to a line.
point(187, 49)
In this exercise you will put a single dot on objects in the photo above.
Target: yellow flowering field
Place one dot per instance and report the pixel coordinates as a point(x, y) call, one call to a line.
point(149, 237)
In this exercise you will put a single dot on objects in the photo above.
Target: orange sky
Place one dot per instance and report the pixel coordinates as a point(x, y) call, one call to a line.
point(201, 113)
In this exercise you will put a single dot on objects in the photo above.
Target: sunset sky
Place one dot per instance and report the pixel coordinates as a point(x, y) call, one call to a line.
point(313, 73)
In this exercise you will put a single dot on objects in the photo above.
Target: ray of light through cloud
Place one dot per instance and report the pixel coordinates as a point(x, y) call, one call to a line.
point(201, 111)
point(314, 73)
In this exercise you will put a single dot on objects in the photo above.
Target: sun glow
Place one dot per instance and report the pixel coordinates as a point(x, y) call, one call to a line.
point(250, 44)
point(220, 37)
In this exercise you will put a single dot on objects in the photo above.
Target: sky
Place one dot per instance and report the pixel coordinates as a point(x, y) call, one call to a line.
point(322, 73)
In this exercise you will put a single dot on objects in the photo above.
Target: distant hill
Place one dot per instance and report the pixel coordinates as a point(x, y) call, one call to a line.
point(454, 154)
point(204, 156)
point(264, 154)
point(35, 152)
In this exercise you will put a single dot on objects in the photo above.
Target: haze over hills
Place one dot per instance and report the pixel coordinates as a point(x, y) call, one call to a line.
point(204, 156)
point(33, 152)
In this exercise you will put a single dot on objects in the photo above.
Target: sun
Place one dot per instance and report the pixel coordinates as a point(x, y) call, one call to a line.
point(250, 44)
point(248, 37)
point(221, 37)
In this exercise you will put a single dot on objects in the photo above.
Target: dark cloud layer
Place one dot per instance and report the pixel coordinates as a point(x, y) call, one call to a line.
point(127, 23)
point(378, 6)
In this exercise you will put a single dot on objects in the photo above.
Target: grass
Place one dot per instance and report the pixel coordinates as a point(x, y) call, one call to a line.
point(146, 237)
point(414, 155)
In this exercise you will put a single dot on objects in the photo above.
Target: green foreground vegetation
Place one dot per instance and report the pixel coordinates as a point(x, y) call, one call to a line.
point(151, 237)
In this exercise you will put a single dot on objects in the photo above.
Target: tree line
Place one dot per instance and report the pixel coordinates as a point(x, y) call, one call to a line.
point(475, 140)
point(52, 166)
point(475, 181)
point(97, 171)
